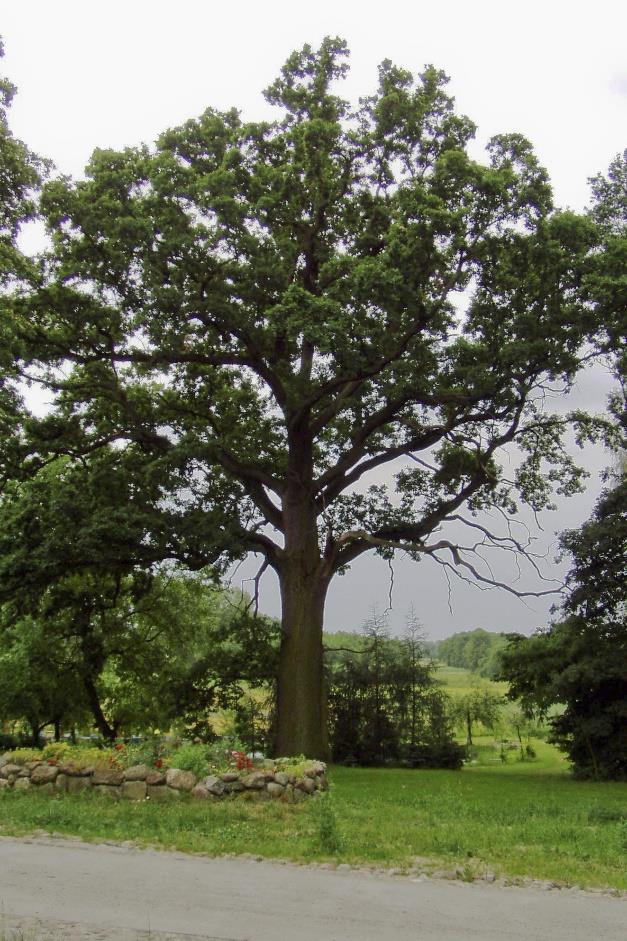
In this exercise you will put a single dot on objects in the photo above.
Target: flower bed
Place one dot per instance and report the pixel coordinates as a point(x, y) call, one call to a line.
point(274, 780)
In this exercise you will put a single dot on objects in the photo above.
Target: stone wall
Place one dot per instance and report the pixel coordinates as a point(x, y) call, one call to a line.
point(142, 782)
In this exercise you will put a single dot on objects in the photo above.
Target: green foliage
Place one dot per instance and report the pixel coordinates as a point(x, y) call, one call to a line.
point(517, 820)
point(89, 624)
point(317, 296)
point(581, 662)
point(329, 836)
point(190, 757)
point(480, 705)
point(477, 651)
point(58, 751)
point(21, 755)
point(384, 704)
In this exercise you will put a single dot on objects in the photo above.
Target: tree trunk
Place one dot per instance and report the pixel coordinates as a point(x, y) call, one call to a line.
point(301, 700)
point(107, 731)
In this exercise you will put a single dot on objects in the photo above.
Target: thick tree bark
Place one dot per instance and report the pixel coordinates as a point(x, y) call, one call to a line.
point(107, 731)
point(301, 699)
point(35, 732)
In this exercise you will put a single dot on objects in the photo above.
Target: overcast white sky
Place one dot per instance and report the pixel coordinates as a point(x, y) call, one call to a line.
point(116, 74)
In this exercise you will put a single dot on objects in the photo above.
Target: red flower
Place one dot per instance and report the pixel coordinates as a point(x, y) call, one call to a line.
point(158, 763)
point(119, 747)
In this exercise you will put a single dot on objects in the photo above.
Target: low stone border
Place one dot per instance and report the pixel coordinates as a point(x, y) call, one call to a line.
point(142, 782)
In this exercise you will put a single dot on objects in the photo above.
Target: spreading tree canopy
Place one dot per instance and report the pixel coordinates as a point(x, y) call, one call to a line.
point(269, 313)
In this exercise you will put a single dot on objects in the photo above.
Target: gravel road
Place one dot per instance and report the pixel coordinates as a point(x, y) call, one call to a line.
point(67, 890)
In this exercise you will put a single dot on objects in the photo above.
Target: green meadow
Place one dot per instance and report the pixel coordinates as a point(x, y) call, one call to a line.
point(518, 819)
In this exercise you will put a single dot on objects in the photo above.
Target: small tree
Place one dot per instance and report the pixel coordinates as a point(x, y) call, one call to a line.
point(479, 705)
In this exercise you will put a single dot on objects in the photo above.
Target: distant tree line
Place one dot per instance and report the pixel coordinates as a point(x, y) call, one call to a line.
point(477, 651)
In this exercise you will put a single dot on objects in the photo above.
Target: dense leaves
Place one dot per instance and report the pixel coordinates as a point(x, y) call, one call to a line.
point(477, 651)
point(581, 662)
point(385, 706)
point(274, 311)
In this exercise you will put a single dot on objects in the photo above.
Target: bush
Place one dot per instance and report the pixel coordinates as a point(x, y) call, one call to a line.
point(190, 757)
point(21, 755)
point(446, 754)
point(59, 751)
point(140, 753)
point(9, 742)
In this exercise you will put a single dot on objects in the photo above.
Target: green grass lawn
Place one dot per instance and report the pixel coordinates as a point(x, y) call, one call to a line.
point(458, 681)
point(517, 819)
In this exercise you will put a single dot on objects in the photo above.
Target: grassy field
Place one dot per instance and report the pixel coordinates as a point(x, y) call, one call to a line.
point(458, 681)
point(517, 819)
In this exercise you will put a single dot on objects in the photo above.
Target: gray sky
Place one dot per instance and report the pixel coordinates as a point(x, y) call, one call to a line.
point(112, 75)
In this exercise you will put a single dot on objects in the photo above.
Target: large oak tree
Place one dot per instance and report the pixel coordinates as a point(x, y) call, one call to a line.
point(270, 312)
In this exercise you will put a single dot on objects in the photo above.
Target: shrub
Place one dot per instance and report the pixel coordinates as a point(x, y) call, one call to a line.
point(190, 757)
point(141, 753)
point(21, 755)
point(57, 751)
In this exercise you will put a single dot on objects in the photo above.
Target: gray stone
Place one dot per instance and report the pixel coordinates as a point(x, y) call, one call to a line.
point(155, 777)
point(282, 778)
point(4, 782)
point(229, 776)
point(315, 768)
point(134, 790)
point(233, 787)
point(42, 774)
point(254, 794)
point(200, 792)
point(274, 789)
point(75, 772)
point(9, 769)
point(214, 785)
point(306, 785)
point(180, 780)
point(254, 781)
point(61, 782)
point(108, 776)
point(137, 773)
point(22, 784)
point(76, 783)
point(288, 794)
point(47, 788)
point(159, 792)
point(108, 791)
point(298, 795)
